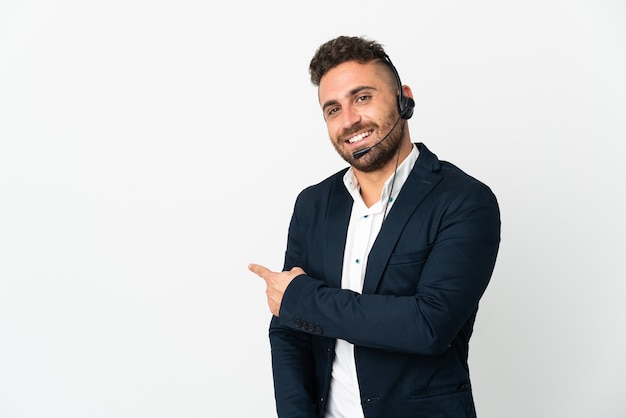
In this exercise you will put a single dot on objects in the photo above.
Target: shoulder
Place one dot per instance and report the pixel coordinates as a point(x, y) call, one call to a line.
point(322, 190)
point(451, 180)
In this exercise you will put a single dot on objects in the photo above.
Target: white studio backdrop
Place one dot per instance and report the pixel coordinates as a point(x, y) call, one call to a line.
point(150, 150)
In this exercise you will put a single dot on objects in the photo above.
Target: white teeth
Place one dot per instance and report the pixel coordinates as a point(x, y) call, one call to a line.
point(359, 137)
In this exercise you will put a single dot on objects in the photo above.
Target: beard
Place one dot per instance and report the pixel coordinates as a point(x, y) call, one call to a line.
point(379, 155)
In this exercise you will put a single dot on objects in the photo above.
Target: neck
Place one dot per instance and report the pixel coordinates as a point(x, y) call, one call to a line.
point(372, 183)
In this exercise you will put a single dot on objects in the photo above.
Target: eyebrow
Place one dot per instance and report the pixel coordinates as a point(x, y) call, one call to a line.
point(352, 92)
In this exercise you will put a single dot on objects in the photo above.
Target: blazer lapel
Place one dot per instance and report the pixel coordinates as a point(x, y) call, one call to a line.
point(420, 182)
point(338, 218)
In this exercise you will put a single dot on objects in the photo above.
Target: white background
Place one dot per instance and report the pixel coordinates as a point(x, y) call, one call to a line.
point(150, 150)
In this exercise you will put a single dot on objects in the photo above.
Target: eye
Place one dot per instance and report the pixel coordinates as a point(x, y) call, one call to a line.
point(363, 98)
point(331, 111)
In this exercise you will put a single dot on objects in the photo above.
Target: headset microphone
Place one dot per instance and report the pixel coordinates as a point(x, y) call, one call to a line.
point(358, 154)
point(405, 108)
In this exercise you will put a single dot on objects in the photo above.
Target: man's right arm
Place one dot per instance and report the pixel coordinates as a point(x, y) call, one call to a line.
point(292, 354)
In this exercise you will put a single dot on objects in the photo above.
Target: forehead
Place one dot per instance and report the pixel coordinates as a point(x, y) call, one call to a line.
point(340, 80)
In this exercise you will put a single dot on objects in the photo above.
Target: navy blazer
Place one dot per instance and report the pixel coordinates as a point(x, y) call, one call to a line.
point(426, 273)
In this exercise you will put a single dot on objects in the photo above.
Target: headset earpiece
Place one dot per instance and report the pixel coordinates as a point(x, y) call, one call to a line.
point(405, 106)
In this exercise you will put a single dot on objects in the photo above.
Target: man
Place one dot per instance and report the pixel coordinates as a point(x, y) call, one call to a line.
point(386, 260)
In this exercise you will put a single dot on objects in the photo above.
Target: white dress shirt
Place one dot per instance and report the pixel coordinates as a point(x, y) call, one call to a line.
point(344, 400)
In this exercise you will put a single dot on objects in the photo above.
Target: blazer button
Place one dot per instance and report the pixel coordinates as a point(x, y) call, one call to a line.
point(298, 323)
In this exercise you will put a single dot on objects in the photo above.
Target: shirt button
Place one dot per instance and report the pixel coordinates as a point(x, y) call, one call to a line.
point(358, 261)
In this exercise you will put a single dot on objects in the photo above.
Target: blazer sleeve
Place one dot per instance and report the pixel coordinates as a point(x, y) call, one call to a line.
point(453, 278)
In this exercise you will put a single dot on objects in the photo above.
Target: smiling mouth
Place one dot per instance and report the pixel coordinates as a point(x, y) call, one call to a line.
point(359, 137)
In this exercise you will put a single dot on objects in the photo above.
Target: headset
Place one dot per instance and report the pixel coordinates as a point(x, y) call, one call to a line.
point(406, 105)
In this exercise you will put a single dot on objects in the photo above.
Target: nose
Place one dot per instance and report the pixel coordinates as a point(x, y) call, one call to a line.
point(350, 116)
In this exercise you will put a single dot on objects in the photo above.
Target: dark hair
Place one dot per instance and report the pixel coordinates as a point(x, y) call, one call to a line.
point(343, 49)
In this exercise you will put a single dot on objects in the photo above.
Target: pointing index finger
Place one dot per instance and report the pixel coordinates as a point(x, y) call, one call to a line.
point(258, 269)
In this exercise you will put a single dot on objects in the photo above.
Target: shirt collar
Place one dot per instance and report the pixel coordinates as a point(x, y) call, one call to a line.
point(401, 174)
